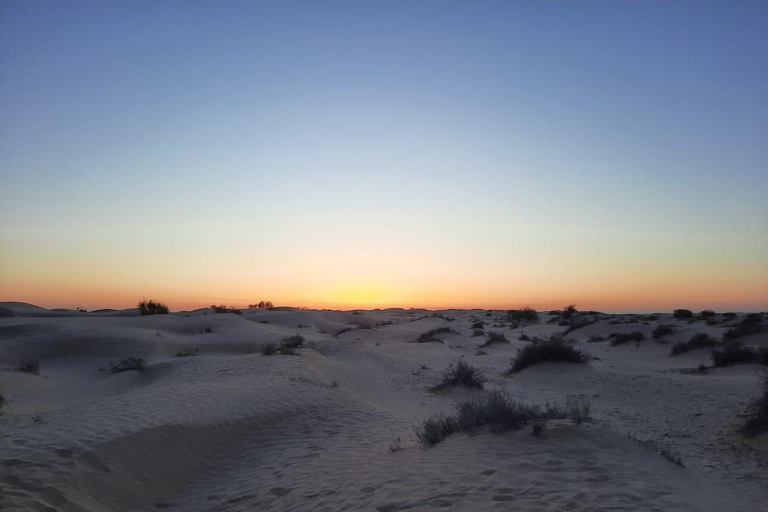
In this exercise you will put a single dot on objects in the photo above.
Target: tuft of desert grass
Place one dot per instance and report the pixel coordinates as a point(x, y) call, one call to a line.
point(461, 373)
point(129, 363)
point(552, 350)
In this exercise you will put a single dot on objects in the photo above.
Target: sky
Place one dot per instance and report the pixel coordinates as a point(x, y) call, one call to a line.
point(344, 154)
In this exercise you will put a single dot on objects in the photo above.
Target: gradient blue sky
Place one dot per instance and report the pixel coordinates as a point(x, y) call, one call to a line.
point(428, 153)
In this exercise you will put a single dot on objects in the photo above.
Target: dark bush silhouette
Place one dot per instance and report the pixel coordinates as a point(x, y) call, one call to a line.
point(707, 313)
point(224, 309)
point(431, 335)
point(187, 352)
point(494, 409)
point(478, 325)
point(3, 401)
point(758, 421)
point(682, 313)
point(287, 351)
point(552, 350)
point(619, 338)
point(269, 349)
point(524, 337)
point(524, 314)
point(29, 365)
point(264, 305)
point(150, 307)
point(460, 373)
point(748, 325)
point(494, 337)
point(293, 341)
point(662, 330)
point(734, 353)
point(569, 311)
point(129, 363)
point(699, 340)
point(478, 332)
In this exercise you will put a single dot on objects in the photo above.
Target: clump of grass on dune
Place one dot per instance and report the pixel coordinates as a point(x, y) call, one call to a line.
point(29, 365)
point(750, 324)
point(525, 315)
point(150, 307)
point(734, 352)
point(494, 337)
point(268, 349)
point(3, 401)
point(662, 330)
point(187, 352)
point(129, 363)
point(555, 349)
point(682, 314)
point(431, 335)
point(619, 338)
point(758, 421)
point(460, 373)
point(293, 341)
point(477, 332)
point(699, 340)
point(497, 411)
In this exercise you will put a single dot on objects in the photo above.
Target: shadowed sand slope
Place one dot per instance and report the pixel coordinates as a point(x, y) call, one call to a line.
point(331, 428)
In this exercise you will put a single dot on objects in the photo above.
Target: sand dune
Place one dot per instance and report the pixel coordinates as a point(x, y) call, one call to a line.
point(230, 429)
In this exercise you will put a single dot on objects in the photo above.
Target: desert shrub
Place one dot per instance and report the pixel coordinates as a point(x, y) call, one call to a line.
point(287, 351)
point(495, 410)
point(733, 353)
point(748, 325)
point(478, 325)
point(579, 324)
point(699, 340)
point(619, 338)
point(524, 314)
point(269, 349)
point(524, 337)
point(188, 352)
point(552, 350)
point(578, 408)
point(263, 305)
point(662, 330)
point(707, 313)
point(478, 332)
point(292, 341)
point(730, 315)
point(569, 311)
point(595, 339)
point(431, 335)
point(682, 313)
point(458, 374)
point(494, 337)
point(29, 365)
point(758, 420)
point(224, 309)
point(129, 363)
point(150, 307)
point(762, 356)
point(3, 401)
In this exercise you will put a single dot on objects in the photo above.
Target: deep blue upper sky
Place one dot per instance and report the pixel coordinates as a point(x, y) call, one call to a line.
point(634, 126)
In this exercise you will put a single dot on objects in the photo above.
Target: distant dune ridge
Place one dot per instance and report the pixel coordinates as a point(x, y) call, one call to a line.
point(186, 412)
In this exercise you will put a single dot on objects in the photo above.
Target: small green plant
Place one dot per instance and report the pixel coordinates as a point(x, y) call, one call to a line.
point(150, 307)
point(129, 363)
point(555, 349)
point(29, 365)
point(269, 349)
point(187, 352)
point(460, 373)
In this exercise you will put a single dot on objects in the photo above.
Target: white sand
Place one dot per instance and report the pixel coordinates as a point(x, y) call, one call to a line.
point(229, 430)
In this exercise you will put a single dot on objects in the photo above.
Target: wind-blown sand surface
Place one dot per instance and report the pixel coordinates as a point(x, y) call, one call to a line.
point(230, 429)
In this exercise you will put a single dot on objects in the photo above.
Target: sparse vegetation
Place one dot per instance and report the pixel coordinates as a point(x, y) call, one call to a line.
point(224, 309)
point(619, 338)
point(263, 305)
point(293, 341)
point(3, 401)
point(524, 337)
point(29, 365)
point(734, 353)
point(707, 313)
point(269, 349)
point(525, 314)
point(460, 373)
point(662, 331)
point(187, 352)
point(748, 325)
point(494, 409)
point(129, 363)
point(478, 332)
point(478, 324)
point(758, 420)
point(595, 339)
point(431, 335)
point(555, 349)
point(494, 337)
point(287, 351)
point(569, 311)
point(681, 314)
point(699, 340)
point(150, 307)
point(578, 408)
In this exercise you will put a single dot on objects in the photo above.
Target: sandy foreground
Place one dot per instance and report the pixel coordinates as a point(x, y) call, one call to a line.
point(331, 428)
